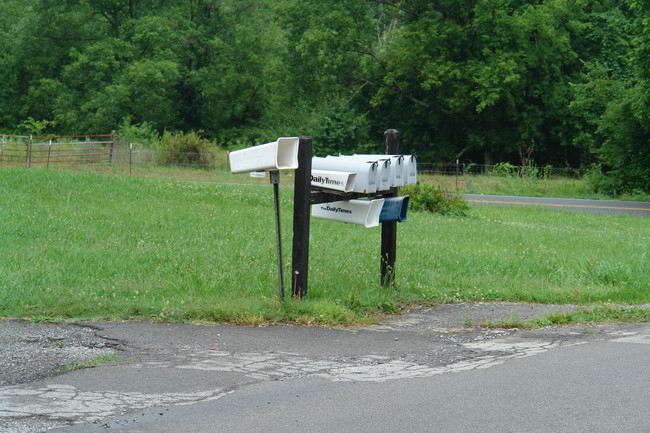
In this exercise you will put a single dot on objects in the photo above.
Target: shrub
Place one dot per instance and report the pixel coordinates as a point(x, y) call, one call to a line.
point(140, 135)
point(505, 169)
point(186, 149)
point(425, 197)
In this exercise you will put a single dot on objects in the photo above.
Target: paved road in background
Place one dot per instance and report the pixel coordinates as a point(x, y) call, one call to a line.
point(419, 372)
point(609, 207)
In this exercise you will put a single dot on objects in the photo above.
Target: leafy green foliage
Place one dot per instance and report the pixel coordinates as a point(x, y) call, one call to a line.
point(469, 80)
point(186, 149)
point(425, 197)
point(504, 169)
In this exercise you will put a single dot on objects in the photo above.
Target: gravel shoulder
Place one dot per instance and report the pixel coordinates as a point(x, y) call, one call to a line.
point(33, 351)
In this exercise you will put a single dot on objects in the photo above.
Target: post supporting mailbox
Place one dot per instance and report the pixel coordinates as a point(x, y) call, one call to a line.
point(301, 207)
point(389, 228)
point(305, 196)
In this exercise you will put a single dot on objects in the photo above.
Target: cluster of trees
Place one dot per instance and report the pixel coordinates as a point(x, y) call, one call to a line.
point(564, 82)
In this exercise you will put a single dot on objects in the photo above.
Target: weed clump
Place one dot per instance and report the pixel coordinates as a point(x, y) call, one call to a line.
point(186, 149)
point(425, 197)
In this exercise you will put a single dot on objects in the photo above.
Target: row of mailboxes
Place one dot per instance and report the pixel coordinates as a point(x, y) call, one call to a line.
point(363, 174)
point(373, 172)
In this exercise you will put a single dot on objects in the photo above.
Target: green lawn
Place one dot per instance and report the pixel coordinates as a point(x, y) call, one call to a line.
point(88, 246)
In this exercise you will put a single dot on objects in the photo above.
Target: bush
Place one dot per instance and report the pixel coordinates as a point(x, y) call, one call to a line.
point(186, 149)
point(140, 135)
point(505, 169)
point(425, 197)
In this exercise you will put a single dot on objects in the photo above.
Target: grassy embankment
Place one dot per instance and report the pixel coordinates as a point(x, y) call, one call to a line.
point(83, 245)
point(560, 187)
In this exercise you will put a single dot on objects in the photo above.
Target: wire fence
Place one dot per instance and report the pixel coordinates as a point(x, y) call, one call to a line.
point(18, 150)
point(125, 154)
point(105, 150)
point(502, 170)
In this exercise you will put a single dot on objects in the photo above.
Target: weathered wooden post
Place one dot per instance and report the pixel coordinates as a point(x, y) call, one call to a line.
point(301, 219)
point(389, 228)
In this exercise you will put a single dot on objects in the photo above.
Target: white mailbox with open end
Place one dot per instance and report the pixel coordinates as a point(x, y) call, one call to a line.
point(277, 155)
point(383, 168)
point(366, 181)
point(364, 212)
point(334, 180)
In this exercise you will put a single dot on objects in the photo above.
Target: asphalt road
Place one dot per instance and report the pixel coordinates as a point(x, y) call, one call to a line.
point(420, 372)
point(609, 207)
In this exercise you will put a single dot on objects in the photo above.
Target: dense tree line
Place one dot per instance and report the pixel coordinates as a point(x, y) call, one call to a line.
point(563, 82)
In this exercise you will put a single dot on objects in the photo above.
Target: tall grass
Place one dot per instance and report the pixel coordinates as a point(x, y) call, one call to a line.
point(562, 187)
point(84, 245)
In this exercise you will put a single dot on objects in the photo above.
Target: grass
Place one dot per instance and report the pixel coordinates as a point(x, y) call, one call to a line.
point(80, 245)
point(597, 313)
point(91, 363)
point(560, 187)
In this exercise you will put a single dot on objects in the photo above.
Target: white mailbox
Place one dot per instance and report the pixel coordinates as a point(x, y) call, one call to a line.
point(334, 180)
point(397, 172)
point(364, 212)
point(411, 168)
point(383, 168)
point(277, 155)
point(366, 181)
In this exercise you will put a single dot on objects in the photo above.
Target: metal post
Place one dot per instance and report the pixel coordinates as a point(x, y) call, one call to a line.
point(130, 157)
point(456, 176)
point(301, 208)
point(29, 152)
point(49, 150)
point(112, 147)
point(389, 229)
point(275, 181)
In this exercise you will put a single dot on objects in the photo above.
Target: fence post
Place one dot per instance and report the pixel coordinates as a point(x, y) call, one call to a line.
point(28, 157)
point(301, 215)
point(112, 146)
point(389, 229)
point(85, 155)
point(130, 157)
point(49, 150)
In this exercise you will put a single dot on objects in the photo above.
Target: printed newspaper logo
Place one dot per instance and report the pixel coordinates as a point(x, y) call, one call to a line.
point(335, 209)
point(324, 180)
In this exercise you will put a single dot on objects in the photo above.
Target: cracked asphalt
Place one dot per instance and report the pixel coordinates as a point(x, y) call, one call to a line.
point(155, 370)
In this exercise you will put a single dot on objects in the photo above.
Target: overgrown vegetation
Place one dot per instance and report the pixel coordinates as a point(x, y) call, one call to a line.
point(186, 149)
point(87, 246)
point(585, 187)
point(560, 82)
point(425, 197)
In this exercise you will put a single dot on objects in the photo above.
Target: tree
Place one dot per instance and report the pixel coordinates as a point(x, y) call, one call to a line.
point(483, 76)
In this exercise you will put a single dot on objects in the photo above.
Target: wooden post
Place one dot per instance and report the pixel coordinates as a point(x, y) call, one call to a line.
point(112, 147)
point(389, 229)
point(301, 215)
